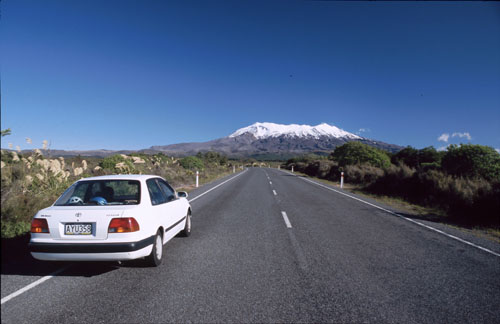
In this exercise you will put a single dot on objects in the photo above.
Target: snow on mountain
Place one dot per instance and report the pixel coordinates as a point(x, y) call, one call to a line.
point(266, 130)
point(271, 140)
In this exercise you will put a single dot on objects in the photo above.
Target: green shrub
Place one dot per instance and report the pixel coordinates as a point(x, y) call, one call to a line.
point(473, 161)
point(418, 158)
point(12, 229)
point(192, 163)
point(359, 153)
point(111, 161)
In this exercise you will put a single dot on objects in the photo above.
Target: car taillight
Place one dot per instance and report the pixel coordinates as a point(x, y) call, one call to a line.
point(123, 225)
point(39, 225)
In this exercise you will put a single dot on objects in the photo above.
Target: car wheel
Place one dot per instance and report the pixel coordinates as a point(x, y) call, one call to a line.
point(154, 259)
point(187, 228)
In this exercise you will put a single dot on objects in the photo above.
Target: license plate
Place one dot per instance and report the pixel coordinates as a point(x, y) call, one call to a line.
point(78, 229)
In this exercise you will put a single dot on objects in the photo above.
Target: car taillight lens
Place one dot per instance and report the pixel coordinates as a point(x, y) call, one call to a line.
point(123, 225)
point(39, 225)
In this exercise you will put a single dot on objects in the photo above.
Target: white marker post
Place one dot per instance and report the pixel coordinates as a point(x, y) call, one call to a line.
point(341, 180)
point(234, 168)
point(279, 167)
point(292, 168)
point(197, 176)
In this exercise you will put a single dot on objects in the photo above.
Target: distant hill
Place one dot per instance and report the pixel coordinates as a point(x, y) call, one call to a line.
point(269, 139)
point(260, 141)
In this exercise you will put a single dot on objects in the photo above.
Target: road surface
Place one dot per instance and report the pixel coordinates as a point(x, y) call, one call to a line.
point(268, 246)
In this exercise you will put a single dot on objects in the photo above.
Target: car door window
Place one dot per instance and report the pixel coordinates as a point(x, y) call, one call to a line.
point(169, 192)
point(155, 193)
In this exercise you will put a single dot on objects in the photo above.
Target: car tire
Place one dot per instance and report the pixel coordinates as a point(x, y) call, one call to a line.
point(154, 259)
point(187, 228)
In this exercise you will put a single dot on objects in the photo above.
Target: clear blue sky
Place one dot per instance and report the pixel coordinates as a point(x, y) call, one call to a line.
point(132, 74)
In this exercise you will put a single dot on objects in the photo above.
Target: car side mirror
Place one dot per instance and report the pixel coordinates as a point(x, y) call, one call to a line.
point(182, 194)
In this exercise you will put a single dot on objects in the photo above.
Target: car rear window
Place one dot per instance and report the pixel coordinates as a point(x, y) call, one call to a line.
point(101, 192)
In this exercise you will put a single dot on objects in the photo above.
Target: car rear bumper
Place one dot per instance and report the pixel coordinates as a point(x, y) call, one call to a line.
point(91, 251)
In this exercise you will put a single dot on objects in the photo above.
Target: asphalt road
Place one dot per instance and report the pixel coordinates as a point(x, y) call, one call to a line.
point(268, 246)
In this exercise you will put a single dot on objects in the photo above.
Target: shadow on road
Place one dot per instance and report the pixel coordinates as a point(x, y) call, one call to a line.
point(32, 267)
point(15, 249)
point(16, 260)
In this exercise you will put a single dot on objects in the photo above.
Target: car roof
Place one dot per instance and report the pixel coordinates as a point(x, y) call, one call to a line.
point(122, 177)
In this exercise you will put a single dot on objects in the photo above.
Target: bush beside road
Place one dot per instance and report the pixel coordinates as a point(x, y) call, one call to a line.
point(463, 183)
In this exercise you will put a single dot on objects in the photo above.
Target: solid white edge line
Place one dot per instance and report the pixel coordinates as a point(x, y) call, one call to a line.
point(41, 280)
point(287, 221)
point(405, 218)
point(32, 285)
point(217, 186)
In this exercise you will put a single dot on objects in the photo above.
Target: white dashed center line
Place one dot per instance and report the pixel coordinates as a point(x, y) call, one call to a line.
point(287, 221)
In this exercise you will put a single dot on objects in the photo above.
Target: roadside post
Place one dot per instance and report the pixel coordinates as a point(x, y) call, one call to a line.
point(234, 168)
point(197, 176)
point(341, 180)
point(279, 167)
point(292, 168)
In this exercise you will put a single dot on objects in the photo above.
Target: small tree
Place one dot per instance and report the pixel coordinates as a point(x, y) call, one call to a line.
point(358, 153)
point(472, 161)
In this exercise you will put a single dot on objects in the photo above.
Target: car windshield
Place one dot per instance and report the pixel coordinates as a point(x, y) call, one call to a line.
point(101, 192)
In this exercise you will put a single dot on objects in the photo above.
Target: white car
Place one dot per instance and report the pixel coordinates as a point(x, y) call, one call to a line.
point(111, 218)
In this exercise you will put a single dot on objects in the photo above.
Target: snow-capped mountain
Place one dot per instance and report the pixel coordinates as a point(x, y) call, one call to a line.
point(274, 140)
point(260, 140)
point(265, 130)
